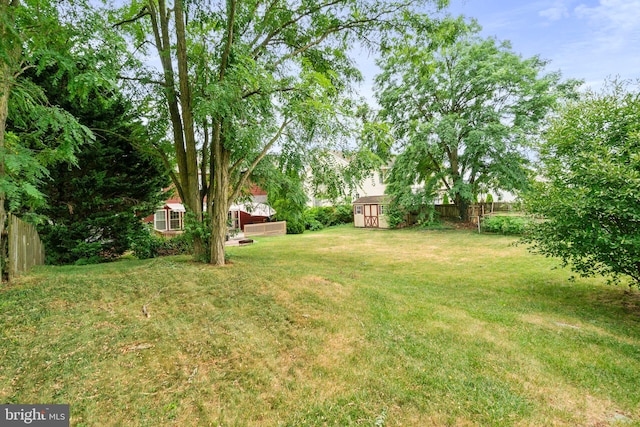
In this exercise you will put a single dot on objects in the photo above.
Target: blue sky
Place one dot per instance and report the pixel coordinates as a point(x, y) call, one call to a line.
point(584, 39)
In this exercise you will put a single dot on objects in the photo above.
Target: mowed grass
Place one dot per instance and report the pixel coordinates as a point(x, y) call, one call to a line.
point(339, 327)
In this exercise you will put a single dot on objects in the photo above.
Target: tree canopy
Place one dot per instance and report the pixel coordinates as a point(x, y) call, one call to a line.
point(35, 34)
point(464, 111)
point(589, 191)
point(239, 80)
point(94, 209)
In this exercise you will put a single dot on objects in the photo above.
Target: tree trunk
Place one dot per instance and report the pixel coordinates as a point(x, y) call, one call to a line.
point(463, 208)
point(4, 107)
point(218, 231)
point(5, 89)
point(180, 110)
point(220, 208)
point(219, 195)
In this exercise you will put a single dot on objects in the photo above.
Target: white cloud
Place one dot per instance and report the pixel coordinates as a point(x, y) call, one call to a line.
point(616, 23)
point(555, 13)
point(558, 10)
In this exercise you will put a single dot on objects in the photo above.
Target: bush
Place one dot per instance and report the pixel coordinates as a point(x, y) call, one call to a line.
point(146, 244)
point(150, 245)
point(326, 216)
point(313, 225)
point(505, 224)
point(88, 253)
point(177, 245)
point(344, 214)
point(295, 227)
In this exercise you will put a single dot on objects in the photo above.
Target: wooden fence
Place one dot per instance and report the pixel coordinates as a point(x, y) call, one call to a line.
point(474, 210)
point(266, 229)
point(25, 247)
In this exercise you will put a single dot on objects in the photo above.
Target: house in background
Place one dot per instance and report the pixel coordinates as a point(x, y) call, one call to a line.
point(168, 220)
point(373, 185)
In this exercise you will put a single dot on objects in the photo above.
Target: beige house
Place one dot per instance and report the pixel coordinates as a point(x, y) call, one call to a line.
point(373, 184)
point(371, 212)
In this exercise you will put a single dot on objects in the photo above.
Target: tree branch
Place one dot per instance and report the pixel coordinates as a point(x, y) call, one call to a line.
point(259, 91)
point(245, 175)
point(224, 61)
point(143, 80)
point(143, 12)
point(276, 31)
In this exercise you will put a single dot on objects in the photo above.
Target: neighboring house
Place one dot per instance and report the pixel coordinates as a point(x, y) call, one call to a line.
point(371, 212)
point(373, 185)
point(169, 219)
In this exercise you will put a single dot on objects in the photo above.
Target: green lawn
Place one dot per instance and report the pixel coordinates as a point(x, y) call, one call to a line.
point(338, 327)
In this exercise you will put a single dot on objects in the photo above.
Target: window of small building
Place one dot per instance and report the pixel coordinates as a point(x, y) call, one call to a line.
point(382, 209)
point(160, 220)
point(358, 209)
point(175, 222)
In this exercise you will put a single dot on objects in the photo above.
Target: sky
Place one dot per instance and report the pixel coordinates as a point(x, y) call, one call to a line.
point(589, 40)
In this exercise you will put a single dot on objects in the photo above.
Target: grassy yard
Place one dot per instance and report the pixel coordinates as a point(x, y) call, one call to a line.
point(338, 327)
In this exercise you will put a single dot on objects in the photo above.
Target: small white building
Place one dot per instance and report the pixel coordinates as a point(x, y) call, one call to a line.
point(371, 212)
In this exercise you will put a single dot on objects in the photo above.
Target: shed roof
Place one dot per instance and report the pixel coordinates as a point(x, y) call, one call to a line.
point(373, 200)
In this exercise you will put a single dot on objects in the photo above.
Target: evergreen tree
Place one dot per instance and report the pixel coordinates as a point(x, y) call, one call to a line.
point(94, 210)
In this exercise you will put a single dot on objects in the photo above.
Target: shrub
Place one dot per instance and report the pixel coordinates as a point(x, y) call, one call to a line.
point(150, 245)
point(146, 244)
point(319, 217)
point(295, 227)
point(313, 225)
point(505, 224)
point(344, 214)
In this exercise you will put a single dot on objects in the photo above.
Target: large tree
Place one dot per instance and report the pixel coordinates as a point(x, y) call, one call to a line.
point(589, 193)
point(239, 78)
point(463, 110)
point(94, 209)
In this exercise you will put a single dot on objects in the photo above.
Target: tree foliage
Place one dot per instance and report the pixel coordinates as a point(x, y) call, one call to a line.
point(242, 79)
point(589, 195)
point(35, 34)
point(464, 111)
point(94, 209)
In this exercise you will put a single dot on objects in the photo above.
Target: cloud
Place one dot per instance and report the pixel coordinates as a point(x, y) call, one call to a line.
point(555, 13)
point(615, 22)
point(558, 11)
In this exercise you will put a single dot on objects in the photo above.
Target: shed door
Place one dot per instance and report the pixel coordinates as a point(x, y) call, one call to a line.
point(371, 216)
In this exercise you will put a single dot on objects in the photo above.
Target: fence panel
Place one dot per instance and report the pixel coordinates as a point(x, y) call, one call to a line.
point(447, 211)
point(266, 229)
point(25, 247)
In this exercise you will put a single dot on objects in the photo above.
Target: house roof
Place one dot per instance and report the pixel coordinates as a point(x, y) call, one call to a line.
point(254, 209)
point(176, 207)
point(373, 200)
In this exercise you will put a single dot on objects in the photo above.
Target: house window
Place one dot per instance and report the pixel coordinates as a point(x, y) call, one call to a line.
point(174, 220)
point(381, 209)
point(160, 220)
point(358, 209)
point(382, 176)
